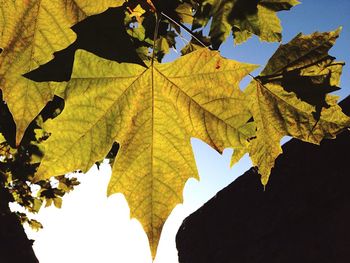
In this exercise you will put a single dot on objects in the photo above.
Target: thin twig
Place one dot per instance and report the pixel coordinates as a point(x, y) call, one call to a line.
point(185, 28)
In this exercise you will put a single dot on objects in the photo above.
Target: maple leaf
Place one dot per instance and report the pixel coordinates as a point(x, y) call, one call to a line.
point(152, 113)
point(290, 97)
point(243, 17)
point(104, 34)
point(30, 31)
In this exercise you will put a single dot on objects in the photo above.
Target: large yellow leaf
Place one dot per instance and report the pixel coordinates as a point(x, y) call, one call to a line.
point(30, 31)
point(290, 98)
point(152, 112)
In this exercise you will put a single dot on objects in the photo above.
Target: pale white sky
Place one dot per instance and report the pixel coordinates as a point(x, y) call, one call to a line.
point(92, 228)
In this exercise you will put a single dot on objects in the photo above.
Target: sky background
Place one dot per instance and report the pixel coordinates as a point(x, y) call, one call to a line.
point(93, 228)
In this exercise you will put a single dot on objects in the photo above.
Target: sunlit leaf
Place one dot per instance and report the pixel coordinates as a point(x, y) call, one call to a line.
point(243, 18)
point(152, 113)
point(30, 31)
point(290, 97)
point(185, 13)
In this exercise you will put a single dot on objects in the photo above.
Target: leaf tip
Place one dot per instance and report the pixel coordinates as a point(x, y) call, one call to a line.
point(36, 178)
point(296, 2)
point(40, 174)
point(153, 253)
point(338, 30)
point(19, 133)
point(264, 180)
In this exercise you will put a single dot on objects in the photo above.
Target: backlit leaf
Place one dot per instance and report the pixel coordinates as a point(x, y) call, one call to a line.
point(243, 18)
point(30, 31)
point(152, 113)
point(185, 13)
point(290, 98)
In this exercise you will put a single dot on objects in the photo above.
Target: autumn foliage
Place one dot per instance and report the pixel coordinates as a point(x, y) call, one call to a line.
point(152, 109)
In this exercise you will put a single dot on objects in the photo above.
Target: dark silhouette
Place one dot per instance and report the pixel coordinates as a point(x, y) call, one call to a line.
point(15, 247)
point(302, 216)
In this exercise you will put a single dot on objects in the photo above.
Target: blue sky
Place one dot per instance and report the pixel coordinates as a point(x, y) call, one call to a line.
point(308, 17)
point(87, 212)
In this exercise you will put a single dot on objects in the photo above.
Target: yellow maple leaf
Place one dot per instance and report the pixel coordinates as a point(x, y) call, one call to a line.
point(30, 32)
point(290, 98)
point(152, 113)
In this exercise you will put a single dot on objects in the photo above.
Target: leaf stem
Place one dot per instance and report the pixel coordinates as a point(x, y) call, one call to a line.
point(155, 36)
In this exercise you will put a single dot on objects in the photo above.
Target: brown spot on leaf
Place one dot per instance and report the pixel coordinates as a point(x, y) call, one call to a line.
point(217, 64)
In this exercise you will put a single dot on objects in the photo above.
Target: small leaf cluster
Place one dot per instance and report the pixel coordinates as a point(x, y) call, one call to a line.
point(240, 18)
point(19, 164)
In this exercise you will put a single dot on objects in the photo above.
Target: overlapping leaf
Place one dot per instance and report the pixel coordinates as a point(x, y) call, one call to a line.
point(30, 31)
point(152, 112)
point(290, 98)
point(18, 165)
point(243, 18)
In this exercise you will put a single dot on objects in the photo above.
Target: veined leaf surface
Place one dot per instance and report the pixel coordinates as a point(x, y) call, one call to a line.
point(30, 32)
point(243, 18)
point(290, 98)
point(152, 113)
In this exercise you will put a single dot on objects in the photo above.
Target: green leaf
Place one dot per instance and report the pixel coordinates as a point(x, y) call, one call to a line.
point(290, 98)
point(243, 18)
point(263, 21)
point(152, 113)
point(184, 11)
